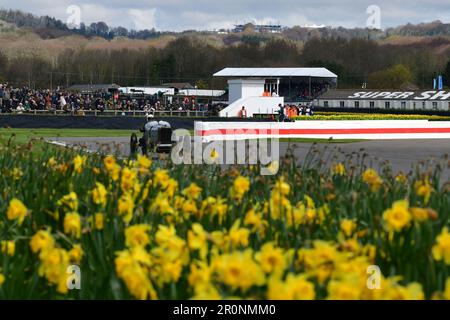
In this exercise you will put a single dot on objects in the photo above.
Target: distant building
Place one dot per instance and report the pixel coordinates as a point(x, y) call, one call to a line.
point(147, 90)
point(94, 88)
point(201, 93)
point(383, 99)
point(260, 28)
point(222, 31)
point(179, 85)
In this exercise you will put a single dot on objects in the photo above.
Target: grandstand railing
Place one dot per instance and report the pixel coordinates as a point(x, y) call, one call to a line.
point(114, 113)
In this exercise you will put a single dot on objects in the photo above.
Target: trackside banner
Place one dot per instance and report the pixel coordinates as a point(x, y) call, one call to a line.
point(402, 95)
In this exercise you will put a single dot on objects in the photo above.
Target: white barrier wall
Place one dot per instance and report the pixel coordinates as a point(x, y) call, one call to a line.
point(253, 105)
point(363, 129)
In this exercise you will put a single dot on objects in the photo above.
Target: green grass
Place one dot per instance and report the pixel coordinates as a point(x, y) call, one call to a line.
point(24, 135)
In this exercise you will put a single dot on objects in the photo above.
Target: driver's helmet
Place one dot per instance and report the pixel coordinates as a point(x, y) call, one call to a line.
point(164, 124)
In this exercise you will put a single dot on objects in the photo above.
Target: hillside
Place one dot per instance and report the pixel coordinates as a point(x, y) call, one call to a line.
point(26, 40)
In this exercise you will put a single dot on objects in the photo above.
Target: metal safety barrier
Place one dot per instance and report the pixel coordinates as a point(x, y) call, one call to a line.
point(115, 113)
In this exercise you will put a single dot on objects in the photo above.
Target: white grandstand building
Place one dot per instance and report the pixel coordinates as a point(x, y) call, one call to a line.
point(261, 90)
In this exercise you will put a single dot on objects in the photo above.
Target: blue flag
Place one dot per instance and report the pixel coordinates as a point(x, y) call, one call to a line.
point(440, 83)
point(434, 83)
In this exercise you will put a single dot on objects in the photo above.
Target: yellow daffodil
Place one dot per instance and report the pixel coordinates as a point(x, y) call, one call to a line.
point(271, 259)
point(372, 179)
point(339, 169)
point(132, 268)
point(424, 189)
point(171, 187)
point(8, 247)
point(238, 236)
point(319, 261)
point(295, 287)
point(112, 167)
point(78, 163)
point(214, 207)
point(397, 217)
point(99, 221)
point(126, 207)
point(401, 178)
point(161, 178)
point(241, 186)
point(193, 191)
point(109, 163)
point(16, 173)
point(144, 164)
point(255, 220)
point(446, 292)
point(16, 211)
point(51, 162)
point(72, 224)
point(99, 194)
point(161, 205)
point(347, 289)
point(128, 179)
point(69, 201)
point(238, 270)
point(76, 254)
point(348, 227)
point(54, 264)
point(441, 250)
point(412, 291)
point(419, 214)
point(137, 235)
point(42, 241)
point(199, 276)
point(197, 240)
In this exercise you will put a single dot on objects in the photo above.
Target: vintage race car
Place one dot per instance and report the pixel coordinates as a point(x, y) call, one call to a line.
point(157, 138)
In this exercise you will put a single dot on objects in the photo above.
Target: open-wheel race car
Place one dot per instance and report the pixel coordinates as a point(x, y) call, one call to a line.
point(157, 137)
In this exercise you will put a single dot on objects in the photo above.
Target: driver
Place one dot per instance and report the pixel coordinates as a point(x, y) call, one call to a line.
point(146, 128)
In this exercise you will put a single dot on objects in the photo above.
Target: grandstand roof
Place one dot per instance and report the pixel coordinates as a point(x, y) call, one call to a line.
point(276, 72)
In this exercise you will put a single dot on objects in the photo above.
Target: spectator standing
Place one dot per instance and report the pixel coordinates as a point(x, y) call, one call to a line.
point(243, 113)
point(20, 109)
point(62, 102)
point(281, 115)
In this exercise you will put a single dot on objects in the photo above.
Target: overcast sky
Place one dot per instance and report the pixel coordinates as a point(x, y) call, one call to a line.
point(178, 15)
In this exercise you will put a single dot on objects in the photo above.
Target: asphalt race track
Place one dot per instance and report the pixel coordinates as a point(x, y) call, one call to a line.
point(402, 155)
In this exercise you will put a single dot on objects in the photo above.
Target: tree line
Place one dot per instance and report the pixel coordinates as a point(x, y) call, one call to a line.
point(190, 59)
point(49, 27)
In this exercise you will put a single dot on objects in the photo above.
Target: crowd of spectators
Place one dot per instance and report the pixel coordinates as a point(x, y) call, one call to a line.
point(300, 92)
point(22, 100)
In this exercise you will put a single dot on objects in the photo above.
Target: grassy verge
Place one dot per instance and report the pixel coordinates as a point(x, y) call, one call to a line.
point(24, 135)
